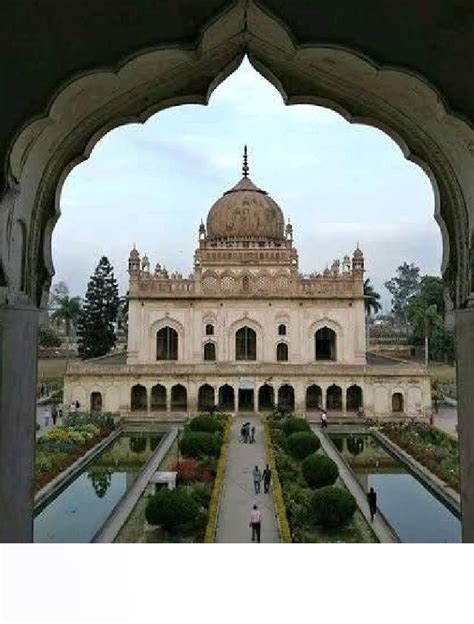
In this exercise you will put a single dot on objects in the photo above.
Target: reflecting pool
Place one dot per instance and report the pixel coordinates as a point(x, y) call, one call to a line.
point(78, 511)
point(414, 512)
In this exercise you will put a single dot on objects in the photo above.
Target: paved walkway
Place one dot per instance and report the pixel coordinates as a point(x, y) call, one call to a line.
point(447, 419)
point(238, 495)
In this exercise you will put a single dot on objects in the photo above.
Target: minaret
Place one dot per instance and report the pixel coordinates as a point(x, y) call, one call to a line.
point(134, 261)
point(358, 262)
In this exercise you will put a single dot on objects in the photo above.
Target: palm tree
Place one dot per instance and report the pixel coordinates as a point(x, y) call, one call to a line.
point(372, 305)
point(372, 299)
point(67, 311)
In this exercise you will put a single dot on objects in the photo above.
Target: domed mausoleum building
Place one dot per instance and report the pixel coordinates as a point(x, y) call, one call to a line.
point(246, 330)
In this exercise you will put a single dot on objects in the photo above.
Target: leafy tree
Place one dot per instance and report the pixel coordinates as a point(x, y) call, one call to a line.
point(67, 310)
point(372, 298)
point(49, 338)
point(122, 313)
point(403, 287)
point(95, 328)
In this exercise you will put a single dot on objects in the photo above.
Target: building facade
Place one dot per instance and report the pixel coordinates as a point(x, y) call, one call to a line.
point(246, 330)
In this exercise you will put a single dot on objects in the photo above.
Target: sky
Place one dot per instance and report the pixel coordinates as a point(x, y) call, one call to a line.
point(339, 183)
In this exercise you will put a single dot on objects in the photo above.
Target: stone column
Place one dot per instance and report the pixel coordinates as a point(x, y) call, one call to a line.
point(18, 373)
point(300, 398)
point(323, 397)
point(192, 398)
point(168, 399)
point(465, 387)
point(344, 400)
point(236, 398)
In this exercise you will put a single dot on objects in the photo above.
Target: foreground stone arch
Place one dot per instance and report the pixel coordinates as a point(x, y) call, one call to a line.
point(78, 112)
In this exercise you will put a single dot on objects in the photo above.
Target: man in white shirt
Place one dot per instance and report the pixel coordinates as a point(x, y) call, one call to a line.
point(256, 523)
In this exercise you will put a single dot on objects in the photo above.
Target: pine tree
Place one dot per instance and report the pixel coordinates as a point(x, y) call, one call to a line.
point(95, 328)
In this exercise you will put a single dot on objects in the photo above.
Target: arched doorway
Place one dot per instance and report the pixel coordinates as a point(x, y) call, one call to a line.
point(282, 352)
point(266, 398)
point(167, 344)
point(286, 398)
point(398, 403)
point(245, 344)
point(158, 398)
point(179, 398)
point(209, 352)
point(96, 402)
point(138, 398)
point(325, 344)
point(314, 398)
point(206, 398)
point(334, 398)
point(354, 398)
point(226, 398)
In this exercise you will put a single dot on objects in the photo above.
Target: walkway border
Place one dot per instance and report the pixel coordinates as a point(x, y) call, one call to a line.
point(122, 510)
point(50, 489)
point(380, 526)
point(214, 505)
point(277, 492)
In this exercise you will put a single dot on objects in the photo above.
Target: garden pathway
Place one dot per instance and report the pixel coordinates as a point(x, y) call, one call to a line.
point(238, 495)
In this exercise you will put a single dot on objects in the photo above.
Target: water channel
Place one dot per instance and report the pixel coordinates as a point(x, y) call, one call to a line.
point(414, 512)
point(81, 507)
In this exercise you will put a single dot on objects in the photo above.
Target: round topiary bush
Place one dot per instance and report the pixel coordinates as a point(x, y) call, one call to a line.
point(319, 470)
point(302, 443)
point(332, 507)
point(171, 508)
point(207, 422)
point(293, 424)
point(199, 444)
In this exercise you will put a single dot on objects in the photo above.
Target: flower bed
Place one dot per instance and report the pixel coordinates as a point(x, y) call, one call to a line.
point(295, 500)
point(61, 446)
point(435, 449)
point(199, 481)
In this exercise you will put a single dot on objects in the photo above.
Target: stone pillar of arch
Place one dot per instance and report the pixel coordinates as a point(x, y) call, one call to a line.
point(168, 398)
point(344, 399)
point(18, 365)
point(300, 397)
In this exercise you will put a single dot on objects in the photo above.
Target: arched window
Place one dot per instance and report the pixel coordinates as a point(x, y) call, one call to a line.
point(286, 398)
point(325, 344)
point(209, 329)
point(206, 397)
point(354, 398)
point(334, 398)
point(158, 398)
point(209, 352)
point(245, 344)
point(397, 402)
point(96, 402)
point(282, 352)
point(282, 329)
point(167, 344)
point(226, 398)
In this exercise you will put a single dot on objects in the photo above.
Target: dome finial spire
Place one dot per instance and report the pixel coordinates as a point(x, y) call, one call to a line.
point(245, 165)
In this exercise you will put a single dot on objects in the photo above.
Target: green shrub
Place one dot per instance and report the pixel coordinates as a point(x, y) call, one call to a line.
point(171, 508)
point(319, 471)
point(199, 444)
point(293, 424)
point(201, 493)
point(302, 443)
point(207, 422)
point(332, 507)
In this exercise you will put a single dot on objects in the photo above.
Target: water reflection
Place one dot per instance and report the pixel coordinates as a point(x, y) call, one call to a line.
point(412, 510)
point(81, 508)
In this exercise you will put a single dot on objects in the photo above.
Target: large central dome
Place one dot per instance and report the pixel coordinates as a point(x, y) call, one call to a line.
point(245, 211)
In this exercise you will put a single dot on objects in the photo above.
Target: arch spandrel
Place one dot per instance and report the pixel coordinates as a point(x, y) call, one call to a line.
point(403, 105)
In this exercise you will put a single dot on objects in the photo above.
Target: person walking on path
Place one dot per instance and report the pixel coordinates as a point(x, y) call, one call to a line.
point(324, 419)
point(252, 434)
point(54, 414)
point(257, 478)
point(256, 523)
point(372, 500)
point(267, 476)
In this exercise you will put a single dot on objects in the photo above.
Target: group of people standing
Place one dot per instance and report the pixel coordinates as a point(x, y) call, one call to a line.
point(247, 433)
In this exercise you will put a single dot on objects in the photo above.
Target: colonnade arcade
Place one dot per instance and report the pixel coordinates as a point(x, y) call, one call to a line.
point(232, 397)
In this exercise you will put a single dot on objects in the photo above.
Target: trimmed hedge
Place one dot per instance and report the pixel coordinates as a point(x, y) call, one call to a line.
point(293, 424)
point(278, 500)
point(200, 443)
point(319, 471)
point(302, 443)
point(210, 534)
point(207, 422)
point(171, 508)
point(332, 507)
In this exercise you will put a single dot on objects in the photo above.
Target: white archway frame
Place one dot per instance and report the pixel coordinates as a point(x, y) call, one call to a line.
point(233, 329)
point(340, 341)
point(155, 327)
